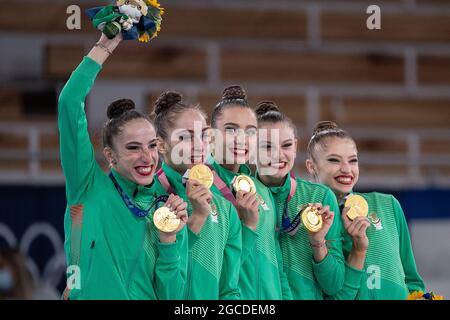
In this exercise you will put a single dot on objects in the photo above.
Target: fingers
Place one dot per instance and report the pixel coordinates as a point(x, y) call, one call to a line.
point(190, 186)
point(182, 215)
point(198, 192)
point(345, 219)
point(169, 200)
point(362, 226)
point(173, 201)
point(180, 207)
point(358, 226)
point(247, 199)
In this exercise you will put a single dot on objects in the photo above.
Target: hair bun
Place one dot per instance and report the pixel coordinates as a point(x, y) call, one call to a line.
point(264, 107)
point(324, 126)
point(234, 93)
point(166, 100)
point(119, 107)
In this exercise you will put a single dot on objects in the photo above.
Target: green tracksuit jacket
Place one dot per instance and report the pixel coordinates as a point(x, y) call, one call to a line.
point(262, 276)
point(115, 254)
point(215, 252)
point(389, 270)
point(308, 279)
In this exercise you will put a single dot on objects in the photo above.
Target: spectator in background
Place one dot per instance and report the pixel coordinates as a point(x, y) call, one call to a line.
point(16, 281)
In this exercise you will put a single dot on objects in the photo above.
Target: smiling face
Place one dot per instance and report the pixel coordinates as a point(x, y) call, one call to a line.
point(276, 151)
point(237, 126)
point(188, 141)
point(335, 164)
point(134, 154)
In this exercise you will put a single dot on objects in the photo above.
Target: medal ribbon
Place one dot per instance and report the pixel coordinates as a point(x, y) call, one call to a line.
point(164, 181)
point(223, 188)
point(138, 212)
point(287, 225)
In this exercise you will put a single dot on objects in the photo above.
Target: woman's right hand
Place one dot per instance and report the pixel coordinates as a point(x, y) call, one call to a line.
point(200, 198)
point(104, 48)
point(248, 209)
point(179, 207)
point(111, 44)
point(357, 230)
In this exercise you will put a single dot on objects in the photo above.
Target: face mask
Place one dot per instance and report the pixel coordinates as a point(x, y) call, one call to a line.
point(6, 280)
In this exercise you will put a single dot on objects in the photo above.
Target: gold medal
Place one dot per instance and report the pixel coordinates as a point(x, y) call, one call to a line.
point(202, 174)
point(311, 219)
point(165, 220)
point(244, 183)
point(358, 206)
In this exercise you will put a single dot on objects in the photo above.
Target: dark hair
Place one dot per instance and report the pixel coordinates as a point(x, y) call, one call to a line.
point(166, 109)
point(231, 96)
point(324, 130)
point(119, 113)
point(268, 111)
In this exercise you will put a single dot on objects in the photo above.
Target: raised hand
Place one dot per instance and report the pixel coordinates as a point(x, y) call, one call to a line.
point(200, 198)
point(248, 208)
point(357, 230)
point(179, 207)
point(327, 221)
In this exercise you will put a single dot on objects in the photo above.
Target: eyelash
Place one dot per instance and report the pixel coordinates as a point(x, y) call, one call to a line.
point(151, 146)
point(336, 160)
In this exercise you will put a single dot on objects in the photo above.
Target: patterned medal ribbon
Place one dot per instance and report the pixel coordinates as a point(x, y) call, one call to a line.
point(135, 210)
point(286, 224)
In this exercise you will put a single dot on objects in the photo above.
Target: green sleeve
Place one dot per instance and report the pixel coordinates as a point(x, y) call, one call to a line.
point(330, 272)
point(285, 288)
point(229, 277)
point(77, 153)
point(412, 278)
point(352, 283)
point(248, 243)
point(171, 269)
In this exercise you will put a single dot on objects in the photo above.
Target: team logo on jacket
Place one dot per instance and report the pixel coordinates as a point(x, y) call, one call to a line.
point(376, 221)
point(214, 213)
point(262, 202)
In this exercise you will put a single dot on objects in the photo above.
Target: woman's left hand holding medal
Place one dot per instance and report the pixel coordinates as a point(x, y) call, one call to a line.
point(248, 208)
point(200, 197)
point(317, 239)
point(179, 207)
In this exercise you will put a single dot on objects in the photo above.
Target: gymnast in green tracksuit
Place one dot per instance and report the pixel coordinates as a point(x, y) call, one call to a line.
point(214, 230)
point(262, 276)
point(313, 262)
point(112, 247)
point(378, 248)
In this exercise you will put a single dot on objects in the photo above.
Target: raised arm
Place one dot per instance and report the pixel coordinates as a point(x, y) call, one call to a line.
point(77, 153)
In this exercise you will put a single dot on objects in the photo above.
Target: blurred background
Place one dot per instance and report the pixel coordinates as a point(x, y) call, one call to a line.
point(389, 88)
